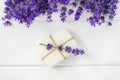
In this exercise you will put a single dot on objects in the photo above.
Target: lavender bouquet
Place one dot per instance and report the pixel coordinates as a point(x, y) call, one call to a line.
point(25, 11)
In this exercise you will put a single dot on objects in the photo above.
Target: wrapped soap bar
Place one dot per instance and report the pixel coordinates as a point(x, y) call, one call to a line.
point(58, 47)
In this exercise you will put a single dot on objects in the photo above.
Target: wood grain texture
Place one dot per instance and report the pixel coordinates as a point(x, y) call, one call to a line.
point(66, 73)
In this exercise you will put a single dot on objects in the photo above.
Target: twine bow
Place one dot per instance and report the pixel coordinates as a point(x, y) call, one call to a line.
point(56, 47)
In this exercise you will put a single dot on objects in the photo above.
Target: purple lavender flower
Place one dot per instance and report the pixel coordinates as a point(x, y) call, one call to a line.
point(77, 52)
point(68, 49)
point(3, 18)
point(109, 23)
point(60, 48)
point(49, 46)
point(7, 23)
point(63, 13)
point(71, 11)
point(82, 52)
point(63, 17)
point(49, 19)
point(65, 2)
point(74, 52)
point(74, 4)
point(78, 13)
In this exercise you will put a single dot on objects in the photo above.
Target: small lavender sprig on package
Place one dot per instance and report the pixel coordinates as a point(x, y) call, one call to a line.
point(67, 49)
point(25, 11)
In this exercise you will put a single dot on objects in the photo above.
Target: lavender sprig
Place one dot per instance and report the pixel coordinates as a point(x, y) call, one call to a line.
point(67, 49)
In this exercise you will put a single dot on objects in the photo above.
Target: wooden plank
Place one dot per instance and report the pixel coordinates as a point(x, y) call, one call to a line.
point(64, 73)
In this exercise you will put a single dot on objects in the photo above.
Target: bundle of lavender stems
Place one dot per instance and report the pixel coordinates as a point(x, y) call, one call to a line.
point(25, 11)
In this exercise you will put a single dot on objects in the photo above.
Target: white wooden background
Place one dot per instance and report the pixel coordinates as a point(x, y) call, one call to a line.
point(19, 59)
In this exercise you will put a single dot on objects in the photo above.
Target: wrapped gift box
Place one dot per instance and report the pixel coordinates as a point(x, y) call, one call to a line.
point(53, 57)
